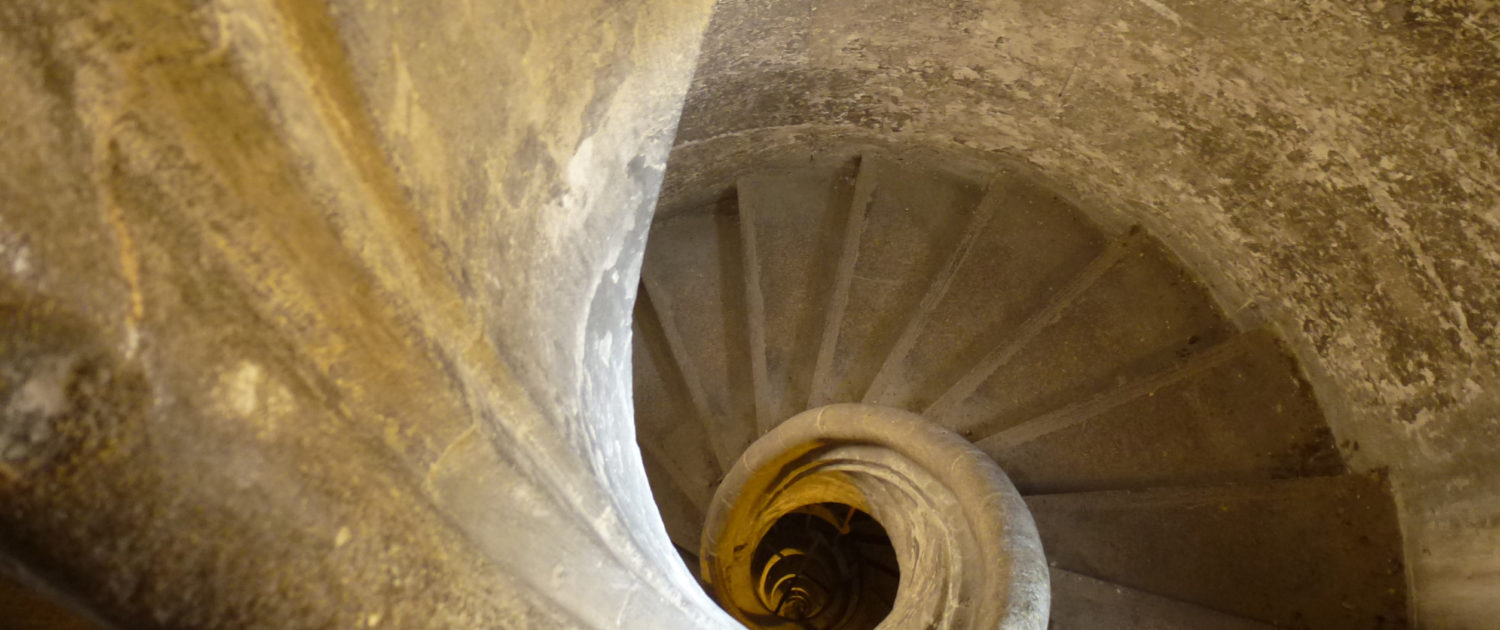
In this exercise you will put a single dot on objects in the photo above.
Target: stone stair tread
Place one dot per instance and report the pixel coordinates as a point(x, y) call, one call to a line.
point(793, 227)
point(904, 223)
point(665, 417)
point(1080, 602)
point(693, 277)
point(1236, 413)
point(680, 514)
point(1319, 552)
point(1142, 316)
point(1023, 245)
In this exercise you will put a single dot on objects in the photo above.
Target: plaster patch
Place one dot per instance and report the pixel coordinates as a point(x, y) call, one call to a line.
point(240, 388)
point(44, 393)
point(21, 265)
point(28, 429)
point(248, 392)
point(1162, 10)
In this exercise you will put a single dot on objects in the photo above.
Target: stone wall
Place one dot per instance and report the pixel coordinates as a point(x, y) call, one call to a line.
point(1330, 168)
point(318, 316)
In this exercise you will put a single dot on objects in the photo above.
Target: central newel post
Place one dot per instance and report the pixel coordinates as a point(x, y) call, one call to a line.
point(801, 530)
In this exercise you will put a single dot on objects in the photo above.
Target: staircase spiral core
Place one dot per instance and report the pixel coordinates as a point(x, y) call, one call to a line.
point(968, 550)
point(798, 343)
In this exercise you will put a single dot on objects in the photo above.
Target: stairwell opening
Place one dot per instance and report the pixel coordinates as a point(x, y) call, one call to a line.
point(887, 332)
point(854, 516)
point(827, 566)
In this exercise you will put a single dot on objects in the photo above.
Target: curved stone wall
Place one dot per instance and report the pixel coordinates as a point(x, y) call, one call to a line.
point(1330, 169)
point(318, 315)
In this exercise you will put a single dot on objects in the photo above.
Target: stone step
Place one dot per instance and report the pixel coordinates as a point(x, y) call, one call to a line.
point(1134, 314)
point(666, 420)
point(1238, 412)
point(681, 514)
point(1317, 553)
point(1023, 245)
point(694, 281)
point(1080, 602)
point(792, 225)
point(903, 227)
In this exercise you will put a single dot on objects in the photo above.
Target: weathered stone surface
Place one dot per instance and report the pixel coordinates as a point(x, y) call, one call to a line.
point(275, 273)
point(316, 316)
point(1330, 168)
point(969, 552)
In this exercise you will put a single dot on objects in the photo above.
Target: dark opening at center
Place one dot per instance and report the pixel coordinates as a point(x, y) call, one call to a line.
point(826, 566)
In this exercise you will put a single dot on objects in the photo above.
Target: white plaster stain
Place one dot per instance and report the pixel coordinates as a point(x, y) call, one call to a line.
point(1162, 10)
point(43, 393)
point(247, 391)
point(242, 387)
point(21, 265)
point(606, 345)
point(28, 418)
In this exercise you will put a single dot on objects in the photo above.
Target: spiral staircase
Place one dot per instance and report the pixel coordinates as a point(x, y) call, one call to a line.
point(1178, 469)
